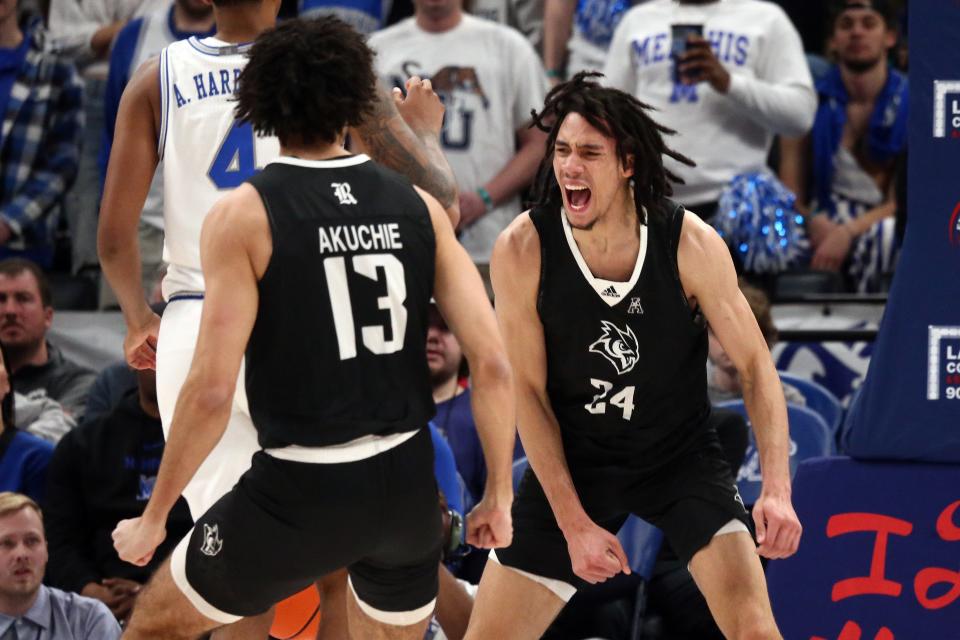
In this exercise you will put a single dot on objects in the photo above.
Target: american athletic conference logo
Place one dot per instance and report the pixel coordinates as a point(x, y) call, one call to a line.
point(618, 346)
point(946, 109)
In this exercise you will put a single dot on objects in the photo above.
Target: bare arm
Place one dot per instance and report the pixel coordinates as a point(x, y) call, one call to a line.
point(516, 175)
point(557, 26)
point(133, 161)
point(515, 272)
point(232, 253)
point(709, 278)
point(411, 146)
point(463, 302)
point(795, 168)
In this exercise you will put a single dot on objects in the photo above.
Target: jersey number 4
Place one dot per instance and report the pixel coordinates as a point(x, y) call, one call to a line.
point(623, 399)
point(236, 160)
point(374, 337)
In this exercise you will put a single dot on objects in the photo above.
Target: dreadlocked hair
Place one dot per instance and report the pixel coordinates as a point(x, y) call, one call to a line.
point(617, 115)
point(306, 80)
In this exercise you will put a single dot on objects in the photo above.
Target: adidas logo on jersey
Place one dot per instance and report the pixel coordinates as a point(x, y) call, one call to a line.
point(610, 292)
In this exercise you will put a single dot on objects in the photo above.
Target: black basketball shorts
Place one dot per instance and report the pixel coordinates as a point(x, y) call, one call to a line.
point(286, 524)
point(691, 499)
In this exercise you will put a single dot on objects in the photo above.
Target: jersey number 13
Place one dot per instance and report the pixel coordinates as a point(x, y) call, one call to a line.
point(374, 337)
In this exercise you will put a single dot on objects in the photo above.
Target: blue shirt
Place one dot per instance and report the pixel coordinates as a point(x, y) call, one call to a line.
point(58, 615)
point(23, 466)
point(10, 63)
point(445, 470)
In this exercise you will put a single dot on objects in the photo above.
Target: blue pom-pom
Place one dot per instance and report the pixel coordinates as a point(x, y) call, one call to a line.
point(762, 224)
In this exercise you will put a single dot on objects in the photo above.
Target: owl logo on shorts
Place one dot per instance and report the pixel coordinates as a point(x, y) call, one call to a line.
point(211, 540)
point(618, 346)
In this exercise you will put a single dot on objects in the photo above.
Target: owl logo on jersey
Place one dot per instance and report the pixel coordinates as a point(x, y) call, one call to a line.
point(211, 540)
point(618, 346)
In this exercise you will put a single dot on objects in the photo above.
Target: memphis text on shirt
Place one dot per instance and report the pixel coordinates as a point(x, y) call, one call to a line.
point(209, 84)
point(342, 238)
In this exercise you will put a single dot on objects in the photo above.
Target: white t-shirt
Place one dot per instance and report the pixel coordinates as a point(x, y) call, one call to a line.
point(489, 78)
point(770, 90)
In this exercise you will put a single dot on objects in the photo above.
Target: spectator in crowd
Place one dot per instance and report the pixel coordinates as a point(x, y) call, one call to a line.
point(488, 98)
point(454, 418)
point(723, 381)
point(842, 172)
point(29, 609)
point(23, 457)
point(141, 39)
point(37, 368)
point(85, 30)
point(101, 473)
point(577, 33)
point(730, 91)
point(40, 131)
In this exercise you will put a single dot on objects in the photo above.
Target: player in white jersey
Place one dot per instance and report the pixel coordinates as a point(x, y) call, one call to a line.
point(179, 108)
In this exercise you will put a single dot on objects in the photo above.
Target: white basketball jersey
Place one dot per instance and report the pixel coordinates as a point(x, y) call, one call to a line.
point(205, 152)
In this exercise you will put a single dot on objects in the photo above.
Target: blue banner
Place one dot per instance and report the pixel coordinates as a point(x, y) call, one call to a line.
point(878, 559)
point(910, 405)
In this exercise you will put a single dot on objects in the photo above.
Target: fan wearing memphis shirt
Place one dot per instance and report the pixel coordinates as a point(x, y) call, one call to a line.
point(749, 81)
point(488, 100)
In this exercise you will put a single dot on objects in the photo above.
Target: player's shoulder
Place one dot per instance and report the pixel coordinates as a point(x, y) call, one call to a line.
point(700, 245)
point(519, 244)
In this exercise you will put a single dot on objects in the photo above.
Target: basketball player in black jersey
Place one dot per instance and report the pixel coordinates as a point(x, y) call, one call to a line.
point(320, 269)
point(602, 289)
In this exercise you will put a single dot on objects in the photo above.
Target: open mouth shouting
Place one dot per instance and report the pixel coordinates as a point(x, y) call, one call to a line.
point(578, 197)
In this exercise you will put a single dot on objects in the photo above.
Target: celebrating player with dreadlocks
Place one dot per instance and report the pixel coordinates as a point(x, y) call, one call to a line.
point(603, 292)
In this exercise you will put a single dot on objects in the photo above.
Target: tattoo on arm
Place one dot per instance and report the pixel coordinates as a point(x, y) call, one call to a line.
point(390, 141)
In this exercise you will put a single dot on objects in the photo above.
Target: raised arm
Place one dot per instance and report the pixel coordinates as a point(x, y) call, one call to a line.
point(463, 302)
point(710, 279)
point(231, 251)
point(133, 161)
point(404, 134)
point(515, 270)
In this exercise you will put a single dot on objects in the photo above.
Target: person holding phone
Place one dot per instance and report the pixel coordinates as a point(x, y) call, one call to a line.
point(726, 75)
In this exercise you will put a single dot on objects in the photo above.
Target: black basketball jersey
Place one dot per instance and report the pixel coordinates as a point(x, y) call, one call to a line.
point(338, 350)
point(626, 362)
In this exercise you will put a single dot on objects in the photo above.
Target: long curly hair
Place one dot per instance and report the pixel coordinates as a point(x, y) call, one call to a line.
point(306, 80)
point(617, 115)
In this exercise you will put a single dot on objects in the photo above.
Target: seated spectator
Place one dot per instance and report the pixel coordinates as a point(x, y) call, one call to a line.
point(848, 159)
point(23, 457)
point(37, 368)
point(29, 609)
point(488, 98)
point(454, 418)
point(723, 381)
point(727, 93)
point(103, 472)
point(42, 122)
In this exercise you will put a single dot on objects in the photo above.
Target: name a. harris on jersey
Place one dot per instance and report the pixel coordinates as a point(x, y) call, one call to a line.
point(342, 238)
point(207, 84)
